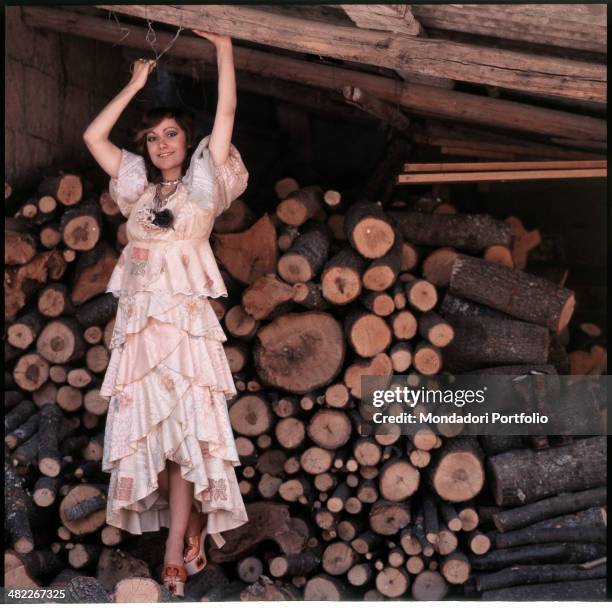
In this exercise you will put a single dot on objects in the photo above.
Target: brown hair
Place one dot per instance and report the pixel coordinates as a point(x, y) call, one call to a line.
point(149, 120)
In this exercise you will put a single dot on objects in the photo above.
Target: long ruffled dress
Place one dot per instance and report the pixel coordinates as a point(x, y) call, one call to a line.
point(168, 377)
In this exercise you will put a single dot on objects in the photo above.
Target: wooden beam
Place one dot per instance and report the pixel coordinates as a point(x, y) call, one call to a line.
point(319, 101)
point(577, 143)
point(575, 26)
point(510, 166)
point(437, 134)
point(433, 57)
point(499, 176)
point(381, 109)
point(397, 18)
point(449, 105)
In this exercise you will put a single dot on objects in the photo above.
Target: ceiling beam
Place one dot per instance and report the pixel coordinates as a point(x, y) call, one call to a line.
point(432, 57)
point(319, 101)
point(397, 18)
point(418, 99)
point(572, 26)
point(382, 110)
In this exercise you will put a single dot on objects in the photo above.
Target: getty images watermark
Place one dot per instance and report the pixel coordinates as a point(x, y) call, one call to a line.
point(474, 404)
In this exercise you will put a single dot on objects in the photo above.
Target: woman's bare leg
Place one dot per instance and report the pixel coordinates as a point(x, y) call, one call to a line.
point(164, 483)
point(196, 522)
point(181, 494)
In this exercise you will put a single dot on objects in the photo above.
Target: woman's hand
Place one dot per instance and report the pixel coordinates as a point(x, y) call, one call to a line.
point(142, 69)
point(218, 40)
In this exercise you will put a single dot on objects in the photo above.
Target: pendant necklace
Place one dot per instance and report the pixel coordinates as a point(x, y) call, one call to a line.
point(163, 217)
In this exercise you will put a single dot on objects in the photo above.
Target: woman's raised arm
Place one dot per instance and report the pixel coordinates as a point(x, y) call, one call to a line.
point(221, 134)
point(107, 154)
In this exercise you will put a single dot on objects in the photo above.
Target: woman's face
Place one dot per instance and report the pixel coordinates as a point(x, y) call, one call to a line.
point(167, 145)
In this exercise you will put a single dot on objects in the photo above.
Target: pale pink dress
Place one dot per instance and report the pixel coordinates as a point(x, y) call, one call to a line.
point(168, 377)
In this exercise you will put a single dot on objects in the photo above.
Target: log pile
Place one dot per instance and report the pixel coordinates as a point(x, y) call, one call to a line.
point(321, 294)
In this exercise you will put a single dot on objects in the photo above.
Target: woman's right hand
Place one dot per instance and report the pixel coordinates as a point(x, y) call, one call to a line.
point(141, 70)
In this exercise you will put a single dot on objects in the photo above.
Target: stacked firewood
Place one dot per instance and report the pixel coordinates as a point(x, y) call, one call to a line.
point(321, 294)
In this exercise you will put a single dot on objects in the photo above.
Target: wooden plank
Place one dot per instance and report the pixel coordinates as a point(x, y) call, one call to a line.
point(498, 176)
point(433, 57)
point(576, 26)
point(509, 166)
point(419, 99)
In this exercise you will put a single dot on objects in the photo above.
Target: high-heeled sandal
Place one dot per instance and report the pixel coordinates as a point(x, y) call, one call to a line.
point(173, 578)
point(195, 556)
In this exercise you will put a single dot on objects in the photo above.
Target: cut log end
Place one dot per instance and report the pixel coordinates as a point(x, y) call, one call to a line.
point(566, 313)
point(459, 477)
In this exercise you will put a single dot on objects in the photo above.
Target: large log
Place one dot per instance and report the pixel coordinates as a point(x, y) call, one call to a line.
point(524, 476)
point(299, 352)
point(513, 292)
point(15, 509)
point(533, 575)
point(551, 553)
point(116, 565)
point(579, 591)
point(482, 342)
point(304, 259)
point(369, 229)
point(341, 279)
point(458, 471)
point(19, 243)
point(250, 254)
point(23, 281)
point(26, 571)
point(467, 232)
point(86, 589)
point(520, 517)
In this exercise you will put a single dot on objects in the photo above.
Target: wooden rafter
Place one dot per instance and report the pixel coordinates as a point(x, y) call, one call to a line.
point(418, 99)
point(484, 144)
point(321, 101)
point(572, 26)
point(433, 57)
point(499, 176)
point(396, 18)
point(381, 109)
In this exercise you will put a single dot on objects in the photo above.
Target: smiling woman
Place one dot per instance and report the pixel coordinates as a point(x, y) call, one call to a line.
point(165, 134)
point(168, 444)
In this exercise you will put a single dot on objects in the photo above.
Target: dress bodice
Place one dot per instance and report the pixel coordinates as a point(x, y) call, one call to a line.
point(176, 259)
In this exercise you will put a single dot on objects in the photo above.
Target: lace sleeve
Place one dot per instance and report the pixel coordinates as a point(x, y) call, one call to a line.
point(131, 181)
point(212, 186)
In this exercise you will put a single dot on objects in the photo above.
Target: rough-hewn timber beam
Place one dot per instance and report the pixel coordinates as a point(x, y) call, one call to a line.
point(575, 26)
point(449, 105)
point(432, 57)
point(396, 18)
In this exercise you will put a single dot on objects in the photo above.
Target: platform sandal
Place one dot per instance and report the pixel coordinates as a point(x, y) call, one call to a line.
point(195, 556)
point(173, 578)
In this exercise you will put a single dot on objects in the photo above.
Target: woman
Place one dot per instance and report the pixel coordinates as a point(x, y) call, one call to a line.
point(168, 445)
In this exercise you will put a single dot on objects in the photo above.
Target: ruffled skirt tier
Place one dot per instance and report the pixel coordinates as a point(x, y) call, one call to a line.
point(168, 380)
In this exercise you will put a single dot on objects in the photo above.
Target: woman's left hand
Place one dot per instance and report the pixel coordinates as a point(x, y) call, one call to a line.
point(217, 39)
